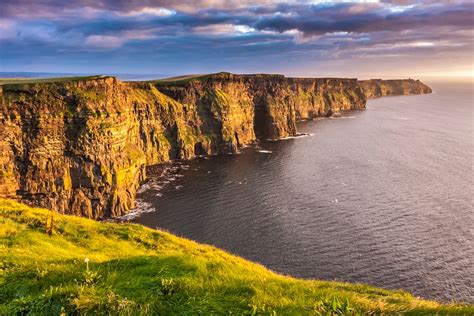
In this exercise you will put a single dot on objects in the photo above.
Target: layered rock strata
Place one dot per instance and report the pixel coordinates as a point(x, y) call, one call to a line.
point(80, 145)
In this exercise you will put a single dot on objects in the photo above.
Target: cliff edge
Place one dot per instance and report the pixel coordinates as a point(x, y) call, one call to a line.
point(80, 145)
point(375, 88)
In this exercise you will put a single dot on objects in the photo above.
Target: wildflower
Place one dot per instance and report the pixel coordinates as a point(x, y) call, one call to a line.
point(87, 263)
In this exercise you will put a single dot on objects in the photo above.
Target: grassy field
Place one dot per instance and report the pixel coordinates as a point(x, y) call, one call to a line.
point(4, 81)
point(180, 80)
point(166, 81)
point(183, 77)
point(53, 264)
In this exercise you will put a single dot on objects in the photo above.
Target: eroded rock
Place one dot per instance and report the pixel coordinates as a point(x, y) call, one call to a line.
point(81, 146)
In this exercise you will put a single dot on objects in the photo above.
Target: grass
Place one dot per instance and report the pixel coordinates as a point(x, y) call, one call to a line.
point(182, 80)
point(133, 270)
point(171, 80)
point(5, 81)
point(183, 77)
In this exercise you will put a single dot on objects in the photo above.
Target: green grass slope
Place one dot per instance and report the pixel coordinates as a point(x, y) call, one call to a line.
point(133, 270)
point(180, 80)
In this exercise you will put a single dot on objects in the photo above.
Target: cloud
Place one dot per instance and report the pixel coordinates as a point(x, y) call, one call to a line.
point(104, 41)
point(324, 18)
point(147, 11)
point(116, 41)
point(7, 29)
point(207, 33)
point(222, 29)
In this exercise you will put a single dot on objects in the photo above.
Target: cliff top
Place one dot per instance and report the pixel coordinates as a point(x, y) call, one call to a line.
point(7, 81)
point(180, 80)
point(390, 80)
point(183, 80)
point(54, 264)
point(25, 84)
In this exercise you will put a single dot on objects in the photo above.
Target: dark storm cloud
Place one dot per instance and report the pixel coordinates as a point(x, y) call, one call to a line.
point(324, 19)
point(29, 8)
point(225, 30)
point(309, 19)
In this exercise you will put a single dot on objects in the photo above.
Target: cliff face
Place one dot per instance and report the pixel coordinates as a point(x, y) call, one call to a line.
point(274, 102)
point(72, 146)
point(80, 146)
point(375, 88)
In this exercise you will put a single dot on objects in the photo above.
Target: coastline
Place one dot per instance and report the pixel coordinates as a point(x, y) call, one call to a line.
point(81, 145)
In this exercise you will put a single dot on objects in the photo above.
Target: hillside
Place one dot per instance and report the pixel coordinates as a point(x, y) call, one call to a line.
point(135, 270)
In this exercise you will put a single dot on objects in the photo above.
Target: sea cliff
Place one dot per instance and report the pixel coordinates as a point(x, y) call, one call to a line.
point(80, 145)
point(375, 88)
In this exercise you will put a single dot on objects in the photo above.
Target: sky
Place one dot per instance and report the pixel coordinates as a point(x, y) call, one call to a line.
point(364, 39)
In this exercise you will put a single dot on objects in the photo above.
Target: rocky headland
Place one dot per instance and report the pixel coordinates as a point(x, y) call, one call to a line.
point(375, 88)
point(81, 145)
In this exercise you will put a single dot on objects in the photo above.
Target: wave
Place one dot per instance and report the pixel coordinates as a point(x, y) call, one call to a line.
point(159, 177)
point(341, 117)
point(141, 207)
point(298, 135)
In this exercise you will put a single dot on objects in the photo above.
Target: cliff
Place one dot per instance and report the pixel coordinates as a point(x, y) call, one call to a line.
point(375, 88)
point(80, 145)
point(274, 102)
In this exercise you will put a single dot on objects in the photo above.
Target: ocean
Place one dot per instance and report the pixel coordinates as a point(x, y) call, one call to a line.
point(382, 196)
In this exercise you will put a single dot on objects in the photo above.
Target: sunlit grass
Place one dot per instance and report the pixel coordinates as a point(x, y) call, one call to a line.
point(131, 269)
point(6, 81)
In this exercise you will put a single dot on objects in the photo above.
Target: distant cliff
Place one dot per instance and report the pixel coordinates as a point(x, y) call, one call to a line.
point(81, 145)
point(375, 88)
